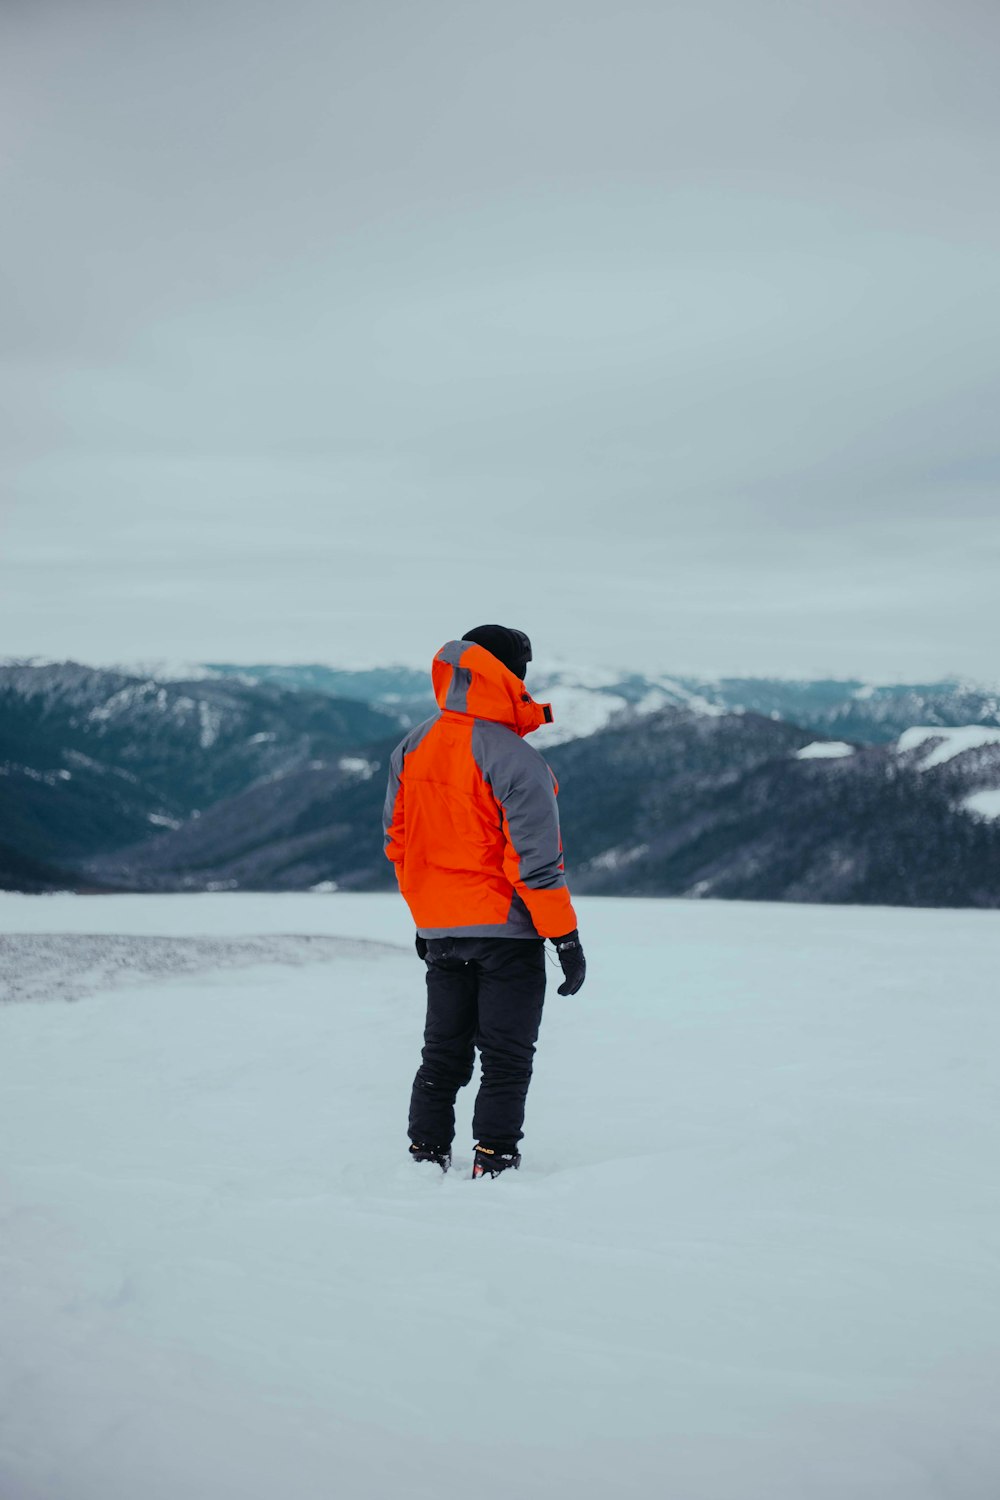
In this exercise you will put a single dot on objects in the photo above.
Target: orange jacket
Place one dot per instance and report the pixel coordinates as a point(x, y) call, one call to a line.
point(471, 822)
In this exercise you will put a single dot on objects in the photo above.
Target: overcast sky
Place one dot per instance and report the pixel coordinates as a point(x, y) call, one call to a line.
point(666, 332)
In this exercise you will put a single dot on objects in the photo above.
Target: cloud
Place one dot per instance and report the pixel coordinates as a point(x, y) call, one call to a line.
point(666, 326)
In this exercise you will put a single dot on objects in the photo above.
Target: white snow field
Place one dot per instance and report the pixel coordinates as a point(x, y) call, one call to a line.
point(753, 1252)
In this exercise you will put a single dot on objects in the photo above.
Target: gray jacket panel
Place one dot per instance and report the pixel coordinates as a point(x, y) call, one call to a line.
point(525, 788)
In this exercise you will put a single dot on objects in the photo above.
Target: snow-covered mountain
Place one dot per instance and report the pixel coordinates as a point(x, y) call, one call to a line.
point(93, 760)
point(742, 806)
point(257, 779)
point(677, 802)
point(853, 710)
point(587, 698)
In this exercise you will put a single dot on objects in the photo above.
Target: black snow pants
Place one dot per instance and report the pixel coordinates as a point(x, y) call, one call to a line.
point(486, 993)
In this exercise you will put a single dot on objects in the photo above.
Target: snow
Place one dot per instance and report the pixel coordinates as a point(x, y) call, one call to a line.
point(163, 669)
point(670, 694)
point(122, 700)
point(824, 750)
point(210, 721)
point(951, 742)
point(984, 804)
point(576, 712)
point(576, 674)
point(585, 703)
point(356, 765)
point(49, 778)
point(616, 859)
point(751, 1255)
point(546, 679)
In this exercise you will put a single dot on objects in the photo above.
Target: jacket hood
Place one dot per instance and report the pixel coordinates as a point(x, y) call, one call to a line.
point(468, 679)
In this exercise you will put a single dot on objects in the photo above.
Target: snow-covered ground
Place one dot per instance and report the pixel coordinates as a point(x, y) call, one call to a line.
point(753, 1252)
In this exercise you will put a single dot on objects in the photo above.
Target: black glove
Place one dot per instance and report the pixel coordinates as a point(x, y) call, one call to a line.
point(574, 965)
point(421, 945)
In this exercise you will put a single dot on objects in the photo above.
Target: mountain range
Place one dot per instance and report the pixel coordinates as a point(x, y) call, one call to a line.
point(253, 777)
point(586, 698)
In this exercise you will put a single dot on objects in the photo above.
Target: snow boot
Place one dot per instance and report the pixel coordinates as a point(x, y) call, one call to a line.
point(440, 1155)
point(490, 1161)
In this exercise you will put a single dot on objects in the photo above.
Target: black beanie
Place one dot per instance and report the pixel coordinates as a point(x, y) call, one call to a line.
point(511, 647)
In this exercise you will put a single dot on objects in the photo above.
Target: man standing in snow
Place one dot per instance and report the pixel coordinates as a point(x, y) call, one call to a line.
point(472, 827)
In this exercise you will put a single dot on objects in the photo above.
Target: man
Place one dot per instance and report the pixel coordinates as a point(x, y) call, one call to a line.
point(472, 828)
